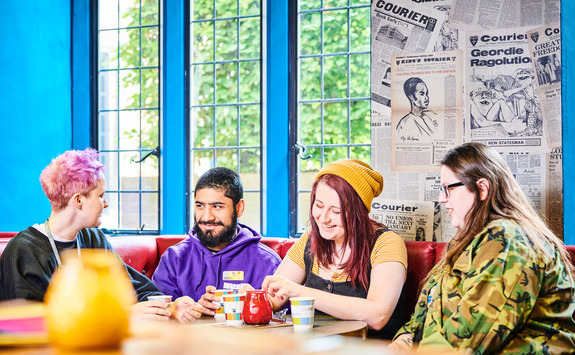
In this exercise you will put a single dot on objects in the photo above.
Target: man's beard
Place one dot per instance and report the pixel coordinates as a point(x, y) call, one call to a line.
point(211, 240)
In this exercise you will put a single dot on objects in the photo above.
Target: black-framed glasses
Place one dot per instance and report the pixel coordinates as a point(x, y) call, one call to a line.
point(444, 189)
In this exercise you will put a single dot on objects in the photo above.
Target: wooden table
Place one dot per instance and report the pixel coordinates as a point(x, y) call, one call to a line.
point(324, 325)
point(206, 336)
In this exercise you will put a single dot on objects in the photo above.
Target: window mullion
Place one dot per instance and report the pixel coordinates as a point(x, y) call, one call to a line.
point(275, 116)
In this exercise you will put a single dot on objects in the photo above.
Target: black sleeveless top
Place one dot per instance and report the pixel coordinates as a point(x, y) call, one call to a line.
point(397, 319)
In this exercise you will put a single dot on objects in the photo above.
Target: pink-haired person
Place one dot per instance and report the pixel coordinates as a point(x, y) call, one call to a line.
point(74, 183)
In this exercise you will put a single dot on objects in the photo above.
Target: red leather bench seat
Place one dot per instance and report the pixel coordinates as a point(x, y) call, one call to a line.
point(4, 239)
point(140, 252)
point(4, 235)
point(143, 253)
point(166, 241)
point(420, 259)
point(278, 245)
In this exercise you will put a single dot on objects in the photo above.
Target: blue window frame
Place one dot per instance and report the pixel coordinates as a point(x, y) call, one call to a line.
point(568, 92)
point(177, 175)
point(225, 97)
point(333, 96)
point(128, 110)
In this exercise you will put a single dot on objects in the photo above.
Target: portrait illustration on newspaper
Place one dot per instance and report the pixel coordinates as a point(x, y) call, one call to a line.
point(420, 123)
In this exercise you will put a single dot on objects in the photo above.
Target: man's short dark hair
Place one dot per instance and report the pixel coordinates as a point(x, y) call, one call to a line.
point(222, 179)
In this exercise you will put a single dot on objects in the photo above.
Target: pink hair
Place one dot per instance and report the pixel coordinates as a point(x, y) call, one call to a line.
point(74, 171)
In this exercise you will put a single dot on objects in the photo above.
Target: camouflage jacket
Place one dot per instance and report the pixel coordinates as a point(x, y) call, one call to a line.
point(500, 297)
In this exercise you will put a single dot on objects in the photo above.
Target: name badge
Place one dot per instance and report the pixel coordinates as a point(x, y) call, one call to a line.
point(233, 276)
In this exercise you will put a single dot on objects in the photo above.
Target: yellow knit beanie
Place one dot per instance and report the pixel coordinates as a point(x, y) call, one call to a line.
point(367, 182)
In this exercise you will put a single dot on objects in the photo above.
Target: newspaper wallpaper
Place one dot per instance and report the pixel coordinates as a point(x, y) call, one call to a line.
point(446, 72)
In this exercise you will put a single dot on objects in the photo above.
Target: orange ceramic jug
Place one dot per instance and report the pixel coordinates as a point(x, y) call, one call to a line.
point(88, 301)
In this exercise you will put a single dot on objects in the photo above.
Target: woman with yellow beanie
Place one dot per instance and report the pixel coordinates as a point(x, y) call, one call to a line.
point(353, 266)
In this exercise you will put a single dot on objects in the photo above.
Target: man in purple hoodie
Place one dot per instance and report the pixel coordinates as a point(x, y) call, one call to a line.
point(219, 252)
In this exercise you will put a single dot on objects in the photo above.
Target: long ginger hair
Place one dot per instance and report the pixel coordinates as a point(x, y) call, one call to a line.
point(360, 232)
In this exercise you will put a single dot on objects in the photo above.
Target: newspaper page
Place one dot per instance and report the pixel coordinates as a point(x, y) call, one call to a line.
point(545, 47)
point(412, 220)
point(529, 170)
point(554, 198)
point(406, 186)
point(380, 148)
point(503, 108)
point(473, 14)
point(398, 26)
point(448, 37)
point(426, 109)
point(445, 230)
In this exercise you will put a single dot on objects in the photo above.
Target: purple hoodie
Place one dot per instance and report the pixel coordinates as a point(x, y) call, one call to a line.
point(186, 268)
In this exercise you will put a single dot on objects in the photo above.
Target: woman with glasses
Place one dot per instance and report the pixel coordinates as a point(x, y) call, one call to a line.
point(505, 284)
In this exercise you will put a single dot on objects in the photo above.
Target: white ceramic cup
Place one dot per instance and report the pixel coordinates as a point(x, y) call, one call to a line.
point(302, 312)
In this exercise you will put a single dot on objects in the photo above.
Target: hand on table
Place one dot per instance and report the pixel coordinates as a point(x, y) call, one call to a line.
point(154, 310)
point(185, 310)
point(402, 342)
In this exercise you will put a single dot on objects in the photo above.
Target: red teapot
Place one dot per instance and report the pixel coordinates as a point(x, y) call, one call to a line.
point(257, 308)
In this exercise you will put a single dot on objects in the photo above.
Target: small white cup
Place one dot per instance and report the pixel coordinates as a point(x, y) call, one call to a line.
point(164, 298)
point(302, 313)
point(233, 308)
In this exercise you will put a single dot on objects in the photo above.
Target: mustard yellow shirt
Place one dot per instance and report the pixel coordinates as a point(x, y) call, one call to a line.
point(389, 246)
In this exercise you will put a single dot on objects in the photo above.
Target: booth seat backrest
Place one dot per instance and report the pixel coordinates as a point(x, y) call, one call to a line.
point(144, 260)
point(3, 243)
point(140, 252)
point(420, 260)
point(167, 240)
point(143, 253)
point(279, 245)
point(4, 239)
point(4, 235)
point(440, 249)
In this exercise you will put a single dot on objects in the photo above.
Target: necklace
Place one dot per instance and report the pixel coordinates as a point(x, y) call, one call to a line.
point(53, 244)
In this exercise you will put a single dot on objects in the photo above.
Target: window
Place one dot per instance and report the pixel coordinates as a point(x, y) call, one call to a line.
point(129, 112)
point(233, 60)
point(225, 81)
point(333, 88)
